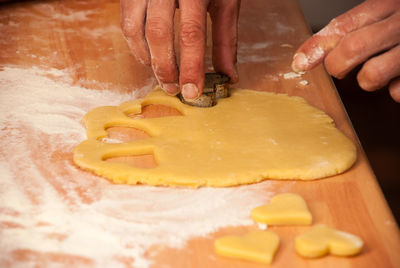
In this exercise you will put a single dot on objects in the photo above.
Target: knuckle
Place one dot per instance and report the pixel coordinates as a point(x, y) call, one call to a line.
point(352, 46)
point(157, 29)
point(191, 72)
point(347, 22)
point(164, 73)
point(192, 33)
point(339, 26)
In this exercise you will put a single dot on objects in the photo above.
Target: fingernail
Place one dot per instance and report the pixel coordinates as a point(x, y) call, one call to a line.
point(190, 91)
point(170, 88)
point(300, 62)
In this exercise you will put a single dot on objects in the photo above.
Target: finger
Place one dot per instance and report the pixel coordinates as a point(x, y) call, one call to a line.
point(133, 14)
point(224, 16)
point(358, 46)
point(394, 90)
point(314, 50)
point(378, 71)
point(192, 39)
point(160, 37)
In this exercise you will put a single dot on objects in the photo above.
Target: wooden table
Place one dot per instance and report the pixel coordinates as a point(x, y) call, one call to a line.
point(270, 31)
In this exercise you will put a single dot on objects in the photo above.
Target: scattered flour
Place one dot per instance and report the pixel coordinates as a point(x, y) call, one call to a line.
point(304, 82)
point(255, 46)
point(70, 16)
point(283, 29)
point(272, 77)
point(333, 28)
point(316, 54)
point(262, 226)
point(100, 32)
point(258, 52)
point(51, 206)
point(292, 75)
point(286, 45)
point(257, 59)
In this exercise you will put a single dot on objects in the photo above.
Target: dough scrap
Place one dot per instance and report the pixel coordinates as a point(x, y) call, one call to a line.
point(249, 137)
point(259, 246)
point(284, 209)
point(322, 240)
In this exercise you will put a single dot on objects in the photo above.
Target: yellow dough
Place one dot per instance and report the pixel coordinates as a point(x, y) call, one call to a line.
point(259, 246)
point(284, 209)
point(246, 138)
point(322, 240)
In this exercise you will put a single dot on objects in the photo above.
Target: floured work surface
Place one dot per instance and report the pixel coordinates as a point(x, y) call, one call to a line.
point(245, 138)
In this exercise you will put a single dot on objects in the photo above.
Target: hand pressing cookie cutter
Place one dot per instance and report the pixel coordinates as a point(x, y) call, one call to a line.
point(215, 87)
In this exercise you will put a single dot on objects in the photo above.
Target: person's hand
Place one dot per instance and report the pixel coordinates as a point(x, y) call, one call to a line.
point(370, 33)
point(148, 26)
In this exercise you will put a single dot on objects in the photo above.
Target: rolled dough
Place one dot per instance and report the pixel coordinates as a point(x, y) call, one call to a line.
point(248, 137)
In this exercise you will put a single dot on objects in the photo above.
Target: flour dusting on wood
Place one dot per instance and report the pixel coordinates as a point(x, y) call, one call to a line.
point(49, 206)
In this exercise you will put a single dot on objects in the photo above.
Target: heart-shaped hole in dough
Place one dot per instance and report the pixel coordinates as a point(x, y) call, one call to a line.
point(156, 110)
point(124, 134)
point(128, 134)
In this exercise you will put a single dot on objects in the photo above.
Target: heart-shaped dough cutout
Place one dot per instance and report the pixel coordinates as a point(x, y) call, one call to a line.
point(322, 240)
point(283, 209)
point(259, 246)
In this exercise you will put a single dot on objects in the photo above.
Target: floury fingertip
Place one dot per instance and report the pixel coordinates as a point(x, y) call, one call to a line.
point(300, 62)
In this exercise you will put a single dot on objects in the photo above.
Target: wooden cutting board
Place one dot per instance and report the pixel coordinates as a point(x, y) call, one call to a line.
point(269, 31)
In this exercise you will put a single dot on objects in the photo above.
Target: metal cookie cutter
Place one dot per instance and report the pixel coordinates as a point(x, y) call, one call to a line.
point(215, 86)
